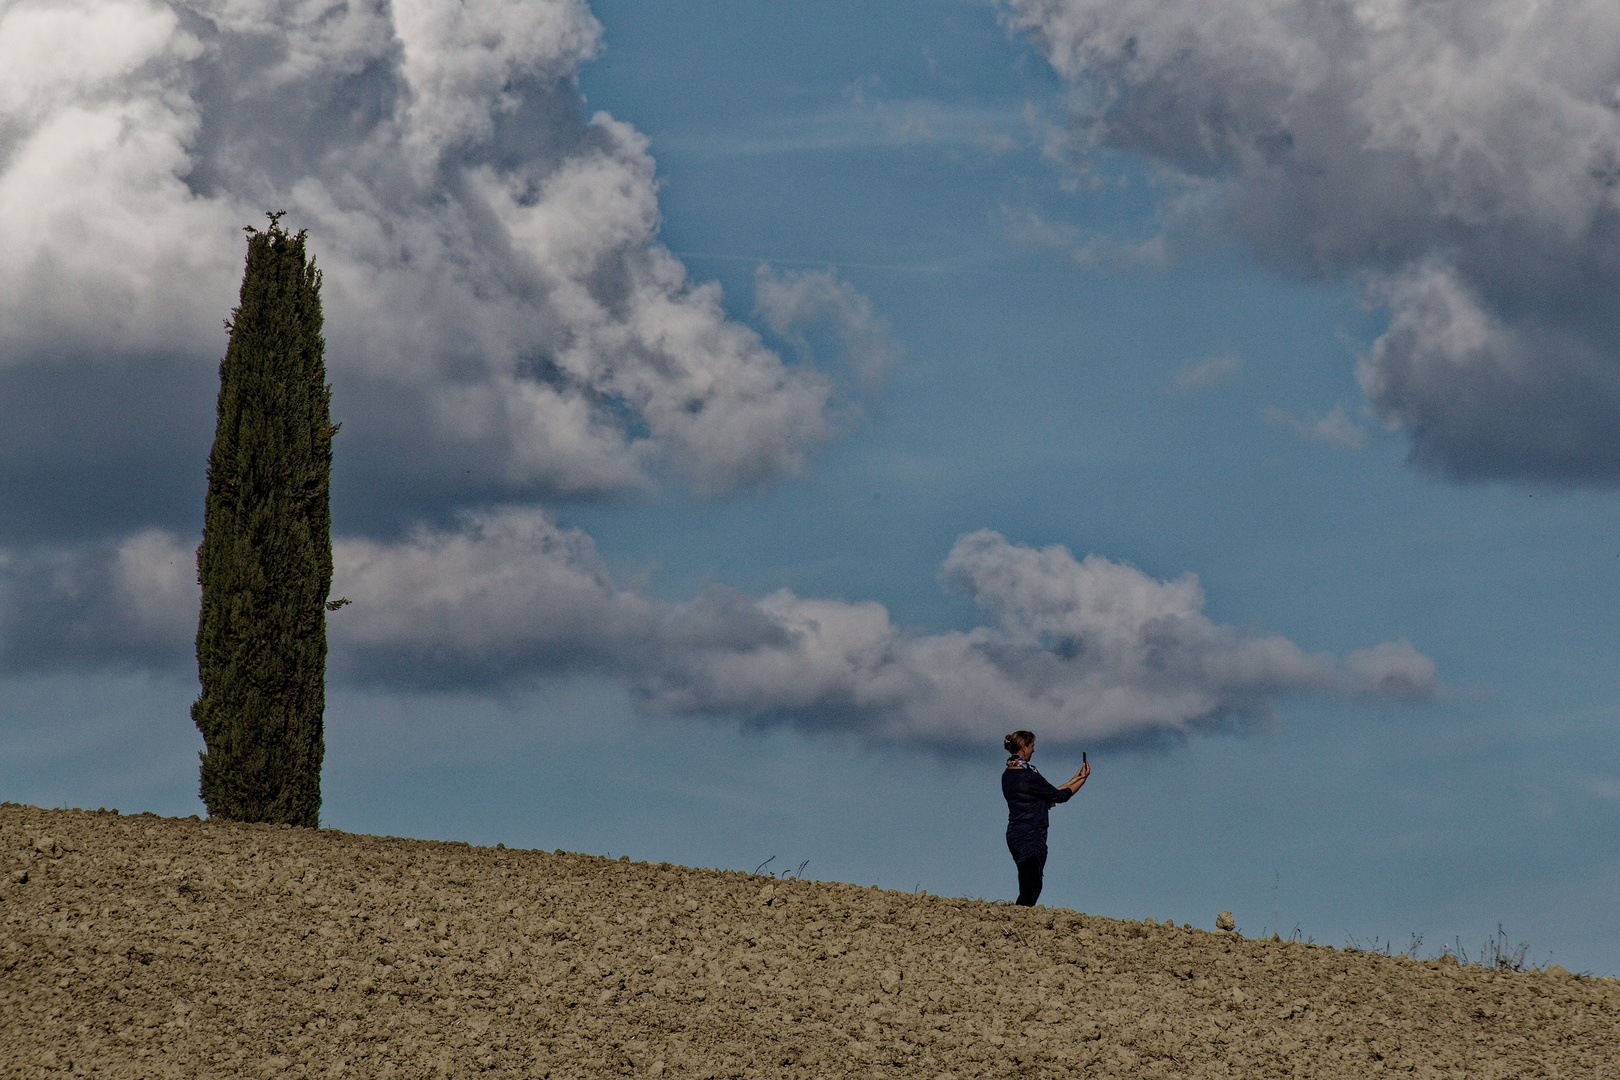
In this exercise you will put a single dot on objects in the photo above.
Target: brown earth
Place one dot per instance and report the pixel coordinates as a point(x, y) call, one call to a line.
point(144, 946)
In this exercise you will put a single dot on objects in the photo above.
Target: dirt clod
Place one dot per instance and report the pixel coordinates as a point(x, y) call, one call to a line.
point(144, 947)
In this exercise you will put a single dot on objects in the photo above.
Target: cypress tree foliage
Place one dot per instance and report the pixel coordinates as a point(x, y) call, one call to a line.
point(265, 563)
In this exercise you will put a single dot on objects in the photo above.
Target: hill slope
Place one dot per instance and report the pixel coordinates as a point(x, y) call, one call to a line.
point(143, 946)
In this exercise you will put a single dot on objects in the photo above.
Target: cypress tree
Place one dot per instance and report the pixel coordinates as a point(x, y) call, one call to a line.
point(265, 563)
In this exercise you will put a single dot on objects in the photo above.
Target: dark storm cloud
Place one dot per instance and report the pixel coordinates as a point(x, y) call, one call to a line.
point(1460, 157)
point(102, 447)
point(99, 605)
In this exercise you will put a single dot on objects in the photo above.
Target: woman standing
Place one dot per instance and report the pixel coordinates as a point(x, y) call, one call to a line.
point(1028, 797)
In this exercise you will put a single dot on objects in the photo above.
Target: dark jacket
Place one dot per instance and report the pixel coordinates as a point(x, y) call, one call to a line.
point(1028, 796)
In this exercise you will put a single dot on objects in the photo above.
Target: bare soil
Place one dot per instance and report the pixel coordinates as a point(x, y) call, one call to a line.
point(144, 946)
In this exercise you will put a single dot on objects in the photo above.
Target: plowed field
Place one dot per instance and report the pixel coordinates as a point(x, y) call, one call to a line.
point(146, 947)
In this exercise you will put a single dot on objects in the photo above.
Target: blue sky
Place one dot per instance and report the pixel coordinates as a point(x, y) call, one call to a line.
point(1118, 281)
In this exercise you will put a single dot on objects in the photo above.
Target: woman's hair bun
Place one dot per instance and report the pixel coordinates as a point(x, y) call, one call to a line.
point(1017, 740)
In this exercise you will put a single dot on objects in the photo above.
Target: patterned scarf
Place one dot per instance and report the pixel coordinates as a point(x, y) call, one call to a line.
point(1016, 762)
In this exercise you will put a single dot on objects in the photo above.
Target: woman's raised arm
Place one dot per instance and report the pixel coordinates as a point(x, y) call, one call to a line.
point(1078, 778)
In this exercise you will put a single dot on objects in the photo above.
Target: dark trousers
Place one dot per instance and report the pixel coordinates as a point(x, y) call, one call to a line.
point(1029, 854)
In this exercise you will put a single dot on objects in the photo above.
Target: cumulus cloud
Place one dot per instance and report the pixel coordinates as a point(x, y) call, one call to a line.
point(498, 306)
point(799, 303)
point(1335, 428)
point(1078, 649)
point(509, 595)
point(1095, 249)
point(1208, 373)
point(1391, 668)
point(1461, 157)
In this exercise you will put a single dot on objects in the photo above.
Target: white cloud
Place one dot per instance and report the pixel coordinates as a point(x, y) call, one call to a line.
point(1030, 228)
point(797, 303)
point(1208, 373)
point(495, 289)
point(1091, 248)
point(1461, 157)
point(1391, 668)
point(1336, 428)
point(1078, 649)
point(156, 581)
point(510, 593)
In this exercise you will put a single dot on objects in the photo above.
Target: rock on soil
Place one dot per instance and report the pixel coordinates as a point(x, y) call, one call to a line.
point(146, 947)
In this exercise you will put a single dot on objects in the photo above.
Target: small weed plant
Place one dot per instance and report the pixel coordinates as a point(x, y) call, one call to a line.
point(789, 875)
point(1496, 952)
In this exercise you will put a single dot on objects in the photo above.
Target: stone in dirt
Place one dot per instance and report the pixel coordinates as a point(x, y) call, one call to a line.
point(150, 947)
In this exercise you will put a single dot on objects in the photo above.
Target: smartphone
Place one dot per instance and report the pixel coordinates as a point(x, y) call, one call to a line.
point(1082, 757)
